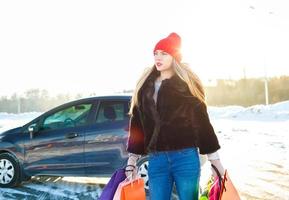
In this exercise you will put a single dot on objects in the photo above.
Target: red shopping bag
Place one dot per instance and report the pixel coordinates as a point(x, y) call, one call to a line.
point(130, 190)
point(223, 188)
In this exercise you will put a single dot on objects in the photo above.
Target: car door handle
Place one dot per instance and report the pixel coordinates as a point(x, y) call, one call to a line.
point(71, 135)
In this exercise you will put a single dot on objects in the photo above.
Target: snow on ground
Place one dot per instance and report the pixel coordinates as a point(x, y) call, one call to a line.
point(256, 156)
point(255, 150)
point(274, 112)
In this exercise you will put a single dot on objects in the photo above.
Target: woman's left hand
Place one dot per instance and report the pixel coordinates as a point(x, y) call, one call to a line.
point(219, 166)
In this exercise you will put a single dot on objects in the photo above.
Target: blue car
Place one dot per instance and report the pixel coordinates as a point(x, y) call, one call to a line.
point(86, 137)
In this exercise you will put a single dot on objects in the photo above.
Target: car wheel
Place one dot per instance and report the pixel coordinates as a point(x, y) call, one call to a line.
point(143, 171)
point(9, 170)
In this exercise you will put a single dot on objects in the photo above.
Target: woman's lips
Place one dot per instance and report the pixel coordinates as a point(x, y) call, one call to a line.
point(158, 64)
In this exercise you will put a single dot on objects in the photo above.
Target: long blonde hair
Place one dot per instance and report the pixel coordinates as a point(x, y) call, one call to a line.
point(183, 71)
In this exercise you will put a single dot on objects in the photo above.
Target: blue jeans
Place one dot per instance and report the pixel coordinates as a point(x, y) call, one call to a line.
point(181, 167)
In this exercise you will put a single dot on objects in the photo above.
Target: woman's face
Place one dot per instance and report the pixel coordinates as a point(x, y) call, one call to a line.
point(163, 60)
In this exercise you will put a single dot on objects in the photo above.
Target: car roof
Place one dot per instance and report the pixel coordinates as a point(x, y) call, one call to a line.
point(83, 100)
point(105, 97)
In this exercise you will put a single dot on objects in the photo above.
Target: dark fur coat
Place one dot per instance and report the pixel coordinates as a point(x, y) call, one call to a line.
point(178, 120)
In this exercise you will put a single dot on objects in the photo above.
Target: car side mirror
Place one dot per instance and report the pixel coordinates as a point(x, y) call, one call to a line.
point(31, 130)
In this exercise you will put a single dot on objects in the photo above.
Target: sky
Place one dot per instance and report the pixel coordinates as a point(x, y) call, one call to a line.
point(102, 47)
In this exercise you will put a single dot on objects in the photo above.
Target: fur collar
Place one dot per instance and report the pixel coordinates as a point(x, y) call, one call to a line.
point(175, 83)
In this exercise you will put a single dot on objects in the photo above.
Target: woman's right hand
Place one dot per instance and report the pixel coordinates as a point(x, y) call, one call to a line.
point(131, 172)
point(219, 166)
point(131, 168)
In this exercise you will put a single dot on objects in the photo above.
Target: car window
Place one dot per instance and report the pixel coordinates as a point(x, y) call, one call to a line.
point(72, 116)
point(111, 112)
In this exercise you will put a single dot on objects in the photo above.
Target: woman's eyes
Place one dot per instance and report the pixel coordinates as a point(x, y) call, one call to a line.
point(161, 53)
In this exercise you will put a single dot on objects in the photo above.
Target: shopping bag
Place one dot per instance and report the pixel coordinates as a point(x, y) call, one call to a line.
point(110, 188)
point(228, 191)
point(134, 190)
point(223, 188)
point(130, 190)
point(206, 190)
point(215, 190)
point(220, 188)
point(117, 194)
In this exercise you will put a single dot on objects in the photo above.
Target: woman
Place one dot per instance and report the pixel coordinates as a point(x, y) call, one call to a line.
point(170, 123)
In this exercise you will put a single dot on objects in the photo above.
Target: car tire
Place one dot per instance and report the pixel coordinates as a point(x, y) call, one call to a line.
point(142, 166)
point(9, 171)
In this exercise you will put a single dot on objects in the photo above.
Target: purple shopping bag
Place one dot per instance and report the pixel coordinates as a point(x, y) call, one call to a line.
point(110, 188)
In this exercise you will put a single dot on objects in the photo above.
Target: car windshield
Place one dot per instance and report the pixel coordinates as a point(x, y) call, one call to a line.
point(69, 117)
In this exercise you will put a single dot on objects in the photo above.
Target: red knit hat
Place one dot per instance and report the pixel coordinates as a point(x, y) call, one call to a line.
point(171, 45)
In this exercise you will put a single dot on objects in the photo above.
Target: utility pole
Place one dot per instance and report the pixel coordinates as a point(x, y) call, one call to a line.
point(18, 104)
point(266, 85)
point(244, 73)
point(266, 91)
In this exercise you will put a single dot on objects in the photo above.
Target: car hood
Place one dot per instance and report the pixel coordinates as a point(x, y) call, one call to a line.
point(11, 131)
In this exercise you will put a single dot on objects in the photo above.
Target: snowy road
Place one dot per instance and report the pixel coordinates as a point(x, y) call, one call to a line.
point(53, 188)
